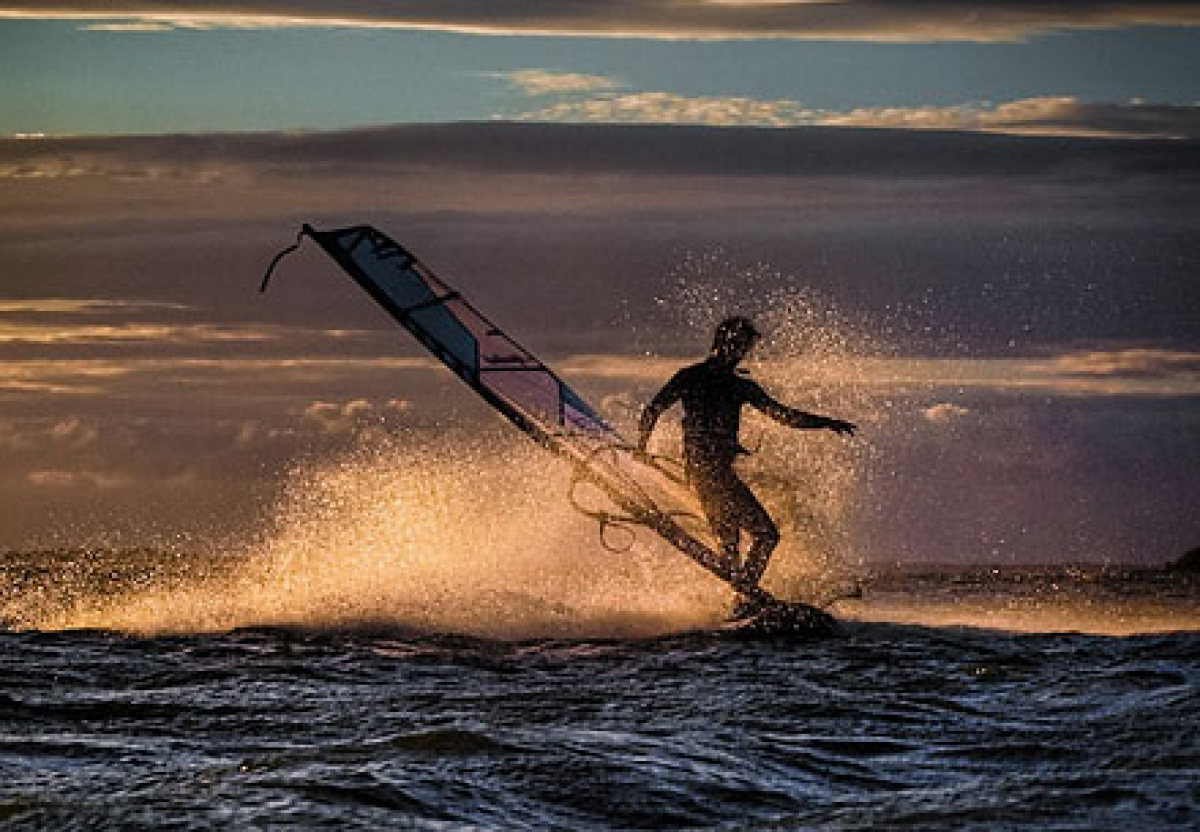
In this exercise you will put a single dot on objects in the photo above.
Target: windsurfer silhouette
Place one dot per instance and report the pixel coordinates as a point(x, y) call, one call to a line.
point(713, 392)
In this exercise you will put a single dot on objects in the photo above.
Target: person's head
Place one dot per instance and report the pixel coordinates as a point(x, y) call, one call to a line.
point(733, 339)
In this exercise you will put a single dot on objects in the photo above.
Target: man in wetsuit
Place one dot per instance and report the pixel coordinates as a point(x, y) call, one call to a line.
point(713, 393)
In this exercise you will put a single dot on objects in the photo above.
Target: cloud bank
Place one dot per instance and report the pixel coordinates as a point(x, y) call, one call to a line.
point(882, 20)
point(581, 149)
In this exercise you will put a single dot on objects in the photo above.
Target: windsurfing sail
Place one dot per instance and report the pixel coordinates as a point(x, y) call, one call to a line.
point(511, 379)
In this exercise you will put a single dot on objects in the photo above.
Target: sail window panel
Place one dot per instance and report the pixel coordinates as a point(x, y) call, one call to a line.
point(449, 333)
point(534, 392)
point(496, 350)
point(435, 285)
point(578, 415)
point(580, 421)
point(405, 288)
point(389, 268)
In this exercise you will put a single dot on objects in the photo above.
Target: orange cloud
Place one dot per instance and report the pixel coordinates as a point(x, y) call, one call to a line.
point(902, 21)
point(944, 412)
point(60, 478)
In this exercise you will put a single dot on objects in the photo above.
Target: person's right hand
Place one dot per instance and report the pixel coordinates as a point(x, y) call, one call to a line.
point(839, 426)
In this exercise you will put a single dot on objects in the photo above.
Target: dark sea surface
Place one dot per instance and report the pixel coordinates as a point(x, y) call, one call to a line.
point(923, 723)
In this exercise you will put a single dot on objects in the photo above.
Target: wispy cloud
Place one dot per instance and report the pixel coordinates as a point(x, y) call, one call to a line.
point(84, 165)
point(143, 26)
point(536, 82)
point(669, 108)
point(102, 376)
point(885, 20)
point(83, 306)
point(124, 333)
point(59, 478)
point(354, 417)
point(90, 322)
point(944, 412)
point(1151, 373)
point(74, 432)
point(71, 432)
point(1045, 115)
point(1132, 363)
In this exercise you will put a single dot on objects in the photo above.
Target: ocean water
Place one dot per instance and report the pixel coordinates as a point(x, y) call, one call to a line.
point(1047, 698)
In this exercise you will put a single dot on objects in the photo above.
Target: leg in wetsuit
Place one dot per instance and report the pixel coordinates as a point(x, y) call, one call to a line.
point(731, 507)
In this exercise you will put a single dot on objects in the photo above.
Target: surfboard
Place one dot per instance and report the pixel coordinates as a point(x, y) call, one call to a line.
point(533, 398)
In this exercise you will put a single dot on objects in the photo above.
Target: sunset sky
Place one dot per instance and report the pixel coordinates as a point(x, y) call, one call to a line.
point(997, 203)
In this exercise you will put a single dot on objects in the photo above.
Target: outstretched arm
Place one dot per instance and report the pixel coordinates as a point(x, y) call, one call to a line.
point(794, 418)
point(662, 400)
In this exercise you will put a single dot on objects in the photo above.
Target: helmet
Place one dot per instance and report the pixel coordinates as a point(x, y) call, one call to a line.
point(735, 331)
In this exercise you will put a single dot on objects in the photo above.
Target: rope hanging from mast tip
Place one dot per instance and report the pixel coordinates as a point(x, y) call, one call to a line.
point(275, 262)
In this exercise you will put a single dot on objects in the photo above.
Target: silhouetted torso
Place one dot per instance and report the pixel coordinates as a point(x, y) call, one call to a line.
point(712, 394)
